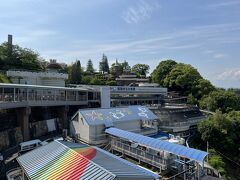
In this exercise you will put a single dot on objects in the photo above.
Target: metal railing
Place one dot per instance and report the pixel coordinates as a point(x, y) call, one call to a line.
point(11, 97)
point(189, 121)
point(33, 94)
point(141, 155)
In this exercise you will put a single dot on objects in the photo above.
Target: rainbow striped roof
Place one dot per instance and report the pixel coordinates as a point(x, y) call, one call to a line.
point(66, 160)
point(57, 161)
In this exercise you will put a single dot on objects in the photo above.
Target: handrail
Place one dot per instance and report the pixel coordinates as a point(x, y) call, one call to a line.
point(14, 95)
point(178, 174)
point(141, 154)
point(187, 123)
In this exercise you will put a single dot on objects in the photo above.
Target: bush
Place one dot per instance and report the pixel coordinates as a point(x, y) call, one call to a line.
point(96, 81)
point(216, 162)
point(111, 83)
point(4, 79)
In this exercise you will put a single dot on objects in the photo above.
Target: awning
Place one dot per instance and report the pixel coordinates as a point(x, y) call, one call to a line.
point(176, 149)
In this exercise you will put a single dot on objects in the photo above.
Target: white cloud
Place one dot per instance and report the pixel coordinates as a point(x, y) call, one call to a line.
point(219, 56)
point(175, 40)
point(140, 12)
point(230, 74)
point(117, 47)
point(33, 35)
point(208, 52)
point(224, 4)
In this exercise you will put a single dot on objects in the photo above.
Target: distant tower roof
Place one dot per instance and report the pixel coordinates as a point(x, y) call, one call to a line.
point(54, 65)
point(117, 64)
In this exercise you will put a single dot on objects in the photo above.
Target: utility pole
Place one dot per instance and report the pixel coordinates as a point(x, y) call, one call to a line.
point(207, 150)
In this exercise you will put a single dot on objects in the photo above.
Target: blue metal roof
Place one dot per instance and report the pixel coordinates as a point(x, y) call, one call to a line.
point(106, 116)
point(176, 149)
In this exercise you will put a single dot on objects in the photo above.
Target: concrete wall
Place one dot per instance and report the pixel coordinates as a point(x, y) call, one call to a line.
point(53, 82)
point(97, 134)
point(79, 128)
point(134, 125)
point(38, 78)
point(10, 137)
point(39, 128)
point(39, 81)
point(94, 134)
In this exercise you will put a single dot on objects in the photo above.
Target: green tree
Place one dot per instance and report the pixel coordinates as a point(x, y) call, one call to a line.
point(96, 81)
point(235, 90)
point(201, 87)
point(90, 68)
point(233, 133)
point(222, 100)
point(125, 65)
point(217, 162)
point(181, 78)
point(86, 80)
point(116, 69)
point(17, 57)
point(75, 73)
point(141, 69)
point(191, 99)
point(103, 65)
point(162, 70)
point(30, 59)
point(222, 132)
point(214, 128)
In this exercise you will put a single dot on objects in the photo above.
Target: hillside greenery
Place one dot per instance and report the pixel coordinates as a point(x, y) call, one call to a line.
point(220, 130)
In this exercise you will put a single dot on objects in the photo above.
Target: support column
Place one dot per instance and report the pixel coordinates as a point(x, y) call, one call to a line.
point(23, 120)
point(14, 94)
point(76, 95)
point(105, 97)
point(63, 117)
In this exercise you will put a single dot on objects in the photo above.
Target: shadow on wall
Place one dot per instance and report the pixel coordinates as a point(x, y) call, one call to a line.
point(10, 137)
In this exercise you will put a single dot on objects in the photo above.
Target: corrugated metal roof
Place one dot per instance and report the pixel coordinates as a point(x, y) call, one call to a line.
point(176, 149)
point(104, 116)
point(55, 160)
point(112, 163)
point(121, 167)
point(68, 160)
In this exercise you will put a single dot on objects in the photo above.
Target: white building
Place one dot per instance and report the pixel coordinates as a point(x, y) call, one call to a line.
point(89, 125)
point(51, 77)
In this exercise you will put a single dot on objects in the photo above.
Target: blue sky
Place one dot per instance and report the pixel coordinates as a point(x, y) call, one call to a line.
point(203, 33)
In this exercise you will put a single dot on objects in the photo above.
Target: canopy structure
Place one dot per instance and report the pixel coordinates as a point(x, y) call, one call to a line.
point(176, 149)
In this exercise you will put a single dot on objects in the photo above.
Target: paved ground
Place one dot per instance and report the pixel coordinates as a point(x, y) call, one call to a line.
point(9, 165)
